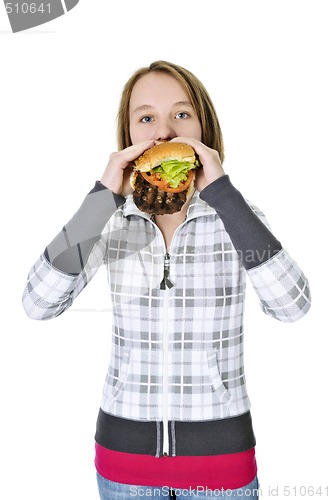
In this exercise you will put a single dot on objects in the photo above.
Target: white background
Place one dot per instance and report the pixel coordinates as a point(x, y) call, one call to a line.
point(267, 67)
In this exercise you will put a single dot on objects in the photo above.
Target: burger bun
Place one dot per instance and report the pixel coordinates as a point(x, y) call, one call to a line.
point(165, 151)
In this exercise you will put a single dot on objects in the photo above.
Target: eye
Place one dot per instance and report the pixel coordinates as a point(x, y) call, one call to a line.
point(146, 119)
point(182, 115)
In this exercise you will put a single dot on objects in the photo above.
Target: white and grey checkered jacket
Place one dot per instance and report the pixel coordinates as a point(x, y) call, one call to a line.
point(177, 351)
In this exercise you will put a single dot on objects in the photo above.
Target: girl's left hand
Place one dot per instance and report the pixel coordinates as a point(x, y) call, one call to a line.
point(209, 158)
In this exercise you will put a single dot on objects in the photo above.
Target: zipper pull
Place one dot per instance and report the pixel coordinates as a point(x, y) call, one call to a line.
point(166, 282)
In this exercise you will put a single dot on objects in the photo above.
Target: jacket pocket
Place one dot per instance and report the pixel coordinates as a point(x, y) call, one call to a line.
point(216, 380)
point(133, 389)
point(116, 388)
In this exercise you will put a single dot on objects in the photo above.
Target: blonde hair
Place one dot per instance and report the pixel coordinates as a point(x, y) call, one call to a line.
point(198, 96)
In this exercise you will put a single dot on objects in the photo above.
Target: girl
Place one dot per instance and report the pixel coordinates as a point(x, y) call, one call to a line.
point(175, 415)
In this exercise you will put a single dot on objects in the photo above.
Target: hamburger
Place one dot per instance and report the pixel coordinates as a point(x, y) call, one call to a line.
point(163, 178)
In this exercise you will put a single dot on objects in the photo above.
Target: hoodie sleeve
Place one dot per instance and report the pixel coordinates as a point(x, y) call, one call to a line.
point(72, 258)
point(281, 286)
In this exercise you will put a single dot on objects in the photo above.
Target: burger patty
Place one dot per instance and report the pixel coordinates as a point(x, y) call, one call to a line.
point(152, 200)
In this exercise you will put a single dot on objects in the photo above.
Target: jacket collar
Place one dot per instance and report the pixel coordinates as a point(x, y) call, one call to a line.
point(197, 208)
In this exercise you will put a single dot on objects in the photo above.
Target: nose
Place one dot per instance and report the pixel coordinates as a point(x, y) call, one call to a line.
point(164, 132)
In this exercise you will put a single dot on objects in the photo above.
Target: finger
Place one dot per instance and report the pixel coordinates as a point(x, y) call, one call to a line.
point(132, 152)
point(186, 140)
point(198, 146)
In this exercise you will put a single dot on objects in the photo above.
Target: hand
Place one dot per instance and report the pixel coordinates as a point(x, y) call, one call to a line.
point(117, 173)
point(209, 158)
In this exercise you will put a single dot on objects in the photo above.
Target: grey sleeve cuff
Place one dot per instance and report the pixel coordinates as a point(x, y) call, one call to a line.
point(252, 239)
point(119, 200)
point(70, 249)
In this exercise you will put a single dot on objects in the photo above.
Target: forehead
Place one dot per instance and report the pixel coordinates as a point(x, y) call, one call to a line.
point(157, 88)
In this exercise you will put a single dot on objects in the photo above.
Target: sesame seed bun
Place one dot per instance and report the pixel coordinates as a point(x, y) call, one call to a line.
point(165, 151)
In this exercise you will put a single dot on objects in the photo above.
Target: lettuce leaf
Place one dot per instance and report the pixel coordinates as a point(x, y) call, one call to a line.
point(174, 171)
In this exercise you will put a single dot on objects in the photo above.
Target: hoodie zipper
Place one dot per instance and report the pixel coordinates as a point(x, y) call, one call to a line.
point(165, 285)
point(166, 282)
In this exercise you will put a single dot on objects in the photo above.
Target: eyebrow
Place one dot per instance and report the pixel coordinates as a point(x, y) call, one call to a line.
point(145, 107)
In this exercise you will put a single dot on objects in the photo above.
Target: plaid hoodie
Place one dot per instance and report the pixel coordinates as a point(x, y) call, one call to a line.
point(175, 384)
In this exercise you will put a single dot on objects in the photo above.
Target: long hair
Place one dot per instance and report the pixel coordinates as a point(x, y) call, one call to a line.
point(198, 96)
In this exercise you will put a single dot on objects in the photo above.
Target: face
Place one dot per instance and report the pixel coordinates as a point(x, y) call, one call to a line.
point(160, 109)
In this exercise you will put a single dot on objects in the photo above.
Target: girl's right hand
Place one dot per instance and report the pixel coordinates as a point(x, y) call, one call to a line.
point(117, 173)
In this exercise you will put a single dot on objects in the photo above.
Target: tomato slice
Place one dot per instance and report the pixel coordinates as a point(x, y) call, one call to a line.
point(156, 180)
